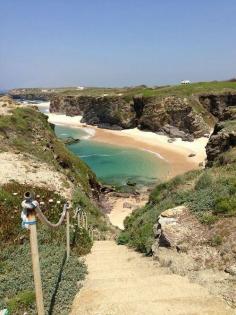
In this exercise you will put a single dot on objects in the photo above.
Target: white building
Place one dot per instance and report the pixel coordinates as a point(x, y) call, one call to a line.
point(80, 88)
point(185, 82)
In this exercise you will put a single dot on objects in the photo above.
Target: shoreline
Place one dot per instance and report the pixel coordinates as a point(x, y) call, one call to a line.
point(176, 153)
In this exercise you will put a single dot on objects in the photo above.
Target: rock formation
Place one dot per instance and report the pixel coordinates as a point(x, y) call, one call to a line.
point(222, 106)
point(170, 115)
point(221, 147)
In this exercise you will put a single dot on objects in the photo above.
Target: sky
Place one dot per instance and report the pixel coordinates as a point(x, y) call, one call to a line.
point(50, 43)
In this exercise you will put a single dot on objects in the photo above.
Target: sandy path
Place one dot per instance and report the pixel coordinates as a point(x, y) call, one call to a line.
point(122, 282)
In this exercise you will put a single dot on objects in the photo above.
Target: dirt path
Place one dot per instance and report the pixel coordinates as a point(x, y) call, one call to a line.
point(122, 282)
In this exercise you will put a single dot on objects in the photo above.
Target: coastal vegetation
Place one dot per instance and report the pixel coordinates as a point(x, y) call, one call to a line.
point(29, 141)
point(210, 194)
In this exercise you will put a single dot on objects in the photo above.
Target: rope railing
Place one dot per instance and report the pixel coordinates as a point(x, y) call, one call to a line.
point(82, 218)
point(30, 212)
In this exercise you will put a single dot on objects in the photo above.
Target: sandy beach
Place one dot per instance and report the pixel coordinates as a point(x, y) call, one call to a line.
point(175, 153)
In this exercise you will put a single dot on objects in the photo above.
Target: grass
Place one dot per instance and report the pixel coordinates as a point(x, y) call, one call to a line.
point(210, 194)
point(21, 301)
point(177, 90)
point(229, 125)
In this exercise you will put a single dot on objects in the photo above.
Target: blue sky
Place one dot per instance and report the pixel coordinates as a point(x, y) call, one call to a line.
point(115, 42)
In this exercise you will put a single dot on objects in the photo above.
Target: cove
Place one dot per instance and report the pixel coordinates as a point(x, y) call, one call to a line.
point(112, 164)
point(115, 165)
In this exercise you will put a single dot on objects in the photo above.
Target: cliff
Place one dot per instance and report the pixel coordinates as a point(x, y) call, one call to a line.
point(222, 106)
point(174, 116)
point(221, 148)
point(31, 94)
point(186, 111)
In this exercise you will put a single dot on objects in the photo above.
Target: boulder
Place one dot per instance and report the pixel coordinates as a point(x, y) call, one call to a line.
point(231, 270)
point(170, 231)
point(127, 205)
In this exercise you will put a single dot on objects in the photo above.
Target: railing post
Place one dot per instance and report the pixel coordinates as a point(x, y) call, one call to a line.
point(67, 235)
point(35, 264)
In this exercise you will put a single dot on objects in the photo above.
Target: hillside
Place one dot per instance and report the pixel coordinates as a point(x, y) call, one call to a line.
point(189, 223)
point(33, 159)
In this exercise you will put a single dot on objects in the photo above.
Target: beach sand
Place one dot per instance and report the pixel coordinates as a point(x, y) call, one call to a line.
point(175, 153)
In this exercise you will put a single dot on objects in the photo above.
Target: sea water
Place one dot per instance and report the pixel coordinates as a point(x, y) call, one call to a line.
point(115, 164)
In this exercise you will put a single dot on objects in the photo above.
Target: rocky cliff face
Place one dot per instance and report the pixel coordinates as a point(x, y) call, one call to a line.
point(34, 95)
point(221, 148)
point(170, 115)
point(222, 106)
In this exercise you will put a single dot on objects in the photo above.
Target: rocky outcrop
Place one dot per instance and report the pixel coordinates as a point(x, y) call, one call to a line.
point(205, 254)
point(170, 115)
point(222, 143)
point(70, 105)
point(40, 96)
point(173, 116)
point(221, 146)
point(222, 106)
point(174, 229)
point(180, 230)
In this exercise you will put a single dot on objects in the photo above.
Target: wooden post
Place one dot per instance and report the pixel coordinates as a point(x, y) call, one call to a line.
point(36, 266)
point(67, 235)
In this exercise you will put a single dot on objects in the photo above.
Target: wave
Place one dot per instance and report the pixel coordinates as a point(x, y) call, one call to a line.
point(101, 154)
point(95, 154)
point(155, 153)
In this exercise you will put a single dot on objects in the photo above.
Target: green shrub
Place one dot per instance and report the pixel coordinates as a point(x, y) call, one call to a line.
point(208, 218)
point(21, 302)
point(204, 182)
point(82, 243)
point(226, 206)
point(216, 240)
point(123, 238)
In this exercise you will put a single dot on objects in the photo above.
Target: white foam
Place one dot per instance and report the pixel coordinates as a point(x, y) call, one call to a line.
point(95, 154)
point(155, 153)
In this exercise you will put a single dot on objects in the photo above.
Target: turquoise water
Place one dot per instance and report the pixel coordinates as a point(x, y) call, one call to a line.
point(113, 164)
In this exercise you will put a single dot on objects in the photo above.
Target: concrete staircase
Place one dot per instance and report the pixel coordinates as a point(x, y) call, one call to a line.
point(122, 282)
